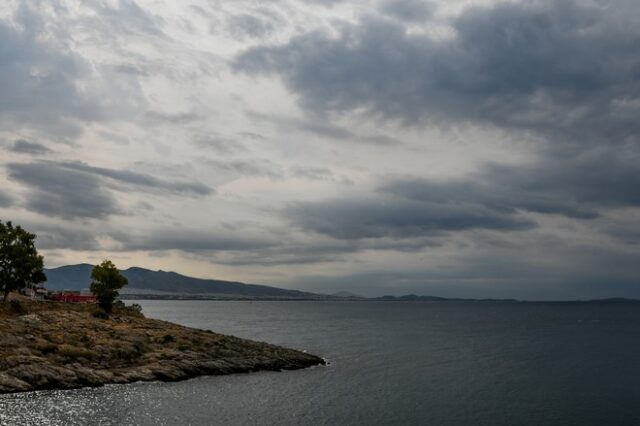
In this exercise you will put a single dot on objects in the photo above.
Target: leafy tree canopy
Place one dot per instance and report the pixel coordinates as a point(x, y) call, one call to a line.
point(106, 280)
point(20, 263)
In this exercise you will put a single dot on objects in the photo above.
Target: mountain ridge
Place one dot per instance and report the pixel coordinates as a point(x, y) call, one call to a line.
point(146, 281)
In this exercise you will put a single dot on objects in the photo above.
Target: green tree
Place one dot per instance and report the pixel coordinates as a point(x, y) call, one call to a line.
point(20, 263)
point(106, 280)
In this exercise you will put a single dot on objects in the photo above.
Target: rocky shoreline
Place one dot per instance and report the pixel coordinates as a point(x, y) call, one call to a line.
point(49, 345)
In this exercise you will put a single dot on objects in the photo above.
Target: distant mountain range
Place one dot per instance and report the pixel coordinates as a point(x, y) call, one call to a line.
point(144, 282)
point(414, 298)
point(147, 284)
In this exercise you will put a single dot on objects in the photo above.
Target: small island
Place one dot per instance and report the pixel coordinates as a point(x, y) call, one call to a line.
point(54, 345)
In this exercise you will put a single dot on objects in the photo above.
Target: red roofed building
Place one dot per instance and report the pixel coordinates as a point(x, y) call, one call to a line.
point(72, 297)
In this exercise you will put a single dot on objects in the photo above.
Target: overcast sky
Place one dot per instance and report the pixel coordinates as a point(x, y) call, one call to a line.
point(452, 148)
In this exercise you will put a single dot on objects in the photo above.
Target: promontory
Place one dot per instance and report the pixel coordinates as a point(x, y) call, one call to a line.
point(52, 345)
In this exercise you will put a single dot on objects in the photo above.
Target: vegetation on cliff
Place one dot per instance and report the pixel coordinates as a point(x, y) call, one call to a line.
point(49, 345)
point(20, 263)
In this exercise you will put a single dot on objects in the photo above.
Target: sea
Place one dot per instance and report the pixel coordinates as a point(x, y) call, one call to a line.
point(389, 363)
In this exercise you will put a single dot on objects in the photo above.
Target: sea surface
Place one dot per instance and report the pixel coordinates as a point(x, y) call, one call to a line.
point(391, 363)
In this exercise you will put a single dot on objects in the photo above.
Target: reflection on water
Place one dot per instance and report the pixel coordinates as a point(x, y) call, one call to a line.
point(391, 363)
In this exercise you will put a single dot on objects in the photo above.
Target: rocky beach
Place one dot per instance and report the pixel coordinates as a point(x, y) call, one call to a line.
point(49, 345)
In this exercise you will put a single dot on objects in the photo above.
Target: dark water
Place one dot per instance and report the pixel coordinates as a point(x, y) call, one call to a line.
point(391, 364)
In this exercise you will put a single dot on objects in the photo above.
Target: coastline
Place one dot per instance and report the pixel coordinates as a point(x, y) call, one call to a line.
point(49, 345)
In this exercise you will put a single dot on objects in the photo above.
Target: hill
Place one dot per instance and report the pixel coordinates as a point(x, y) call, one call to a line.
point(146, 282)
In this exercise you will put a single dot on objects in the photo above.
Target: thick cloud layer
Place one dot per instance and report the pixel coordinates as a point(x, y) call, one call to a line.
point(22, 146)
point(37, 79)
point(74, 189)
point(565, 68)
point(397, 218)
point(580, 187)
point(58, 191)
point(460, 148)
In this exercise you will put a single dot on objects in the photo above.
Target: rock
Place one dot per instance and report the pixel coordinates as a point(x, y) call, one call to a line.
point(62, 346)
point(9, 384)
point(32, 318)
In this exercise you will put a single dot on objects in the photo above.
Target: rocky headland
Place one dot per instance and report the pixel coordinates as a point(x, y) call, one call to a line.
point(50, 345)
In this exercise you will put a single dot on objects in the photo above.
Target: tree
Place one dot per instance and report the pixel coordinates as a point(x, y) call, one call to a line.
point(20, 263)
point(106, 280)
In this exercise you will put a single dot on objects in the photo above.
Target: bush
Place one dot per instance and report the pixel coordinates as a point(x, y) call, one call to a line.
point(99, 313)
point(17, 308)
point(167, 338)
point(46, 347)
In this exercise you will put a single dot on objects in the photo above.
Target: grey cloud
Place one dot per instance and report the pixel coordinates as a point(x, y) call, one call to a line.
point(567, 69)
point(322, 127)
point(249, 26)
point(58, 191)
point(74, 189)
point(58, 237)
point(252, 136)
point(326, 3)
point(582, 187)
point(139, 179)
point(127, 17)
point(37, 80)
point(260, 168)
point(287, 254)
point(5, 199)
point(396, 218)
point(172, 118)
point(22, 146)
point(313, 173)
point(220, 144)
point(629, 232)
point(191, 240)
point(499, 275)
point(407, 10)
point(579, 187)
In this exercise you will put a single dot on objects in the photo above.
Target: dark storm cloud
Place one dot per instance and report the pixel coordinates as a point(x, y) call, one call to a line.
point(139, 179)
point(396, 218)
point(563, 68)
point(37, 79)
point(22, 146)
point(579, 187)
point(59, 191)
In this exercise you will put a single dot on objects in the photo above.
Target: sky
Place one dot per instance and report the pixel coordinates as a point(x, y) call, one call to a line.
point(455, 148)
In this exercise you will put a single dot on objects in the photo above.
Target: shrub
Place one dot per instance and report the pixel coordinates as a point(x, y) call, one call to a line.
point(99, 313)
point(46, 347)
point(17, 308)
point(167, 338)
